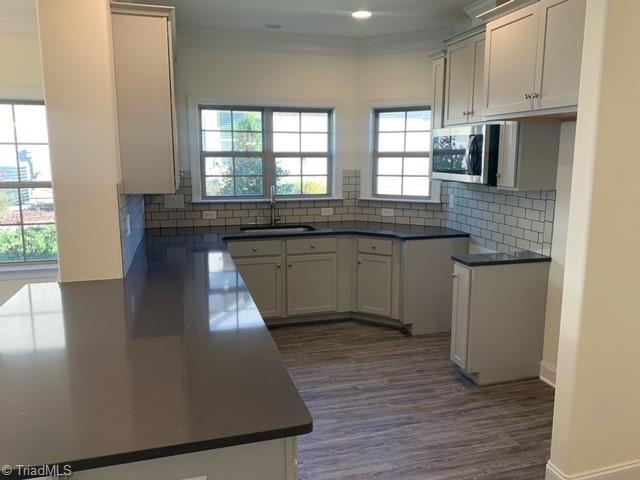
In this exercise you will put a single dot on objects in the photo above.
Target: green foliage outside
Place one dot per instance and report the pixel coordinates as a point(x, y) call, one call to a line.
point(40, 244)
point(248, 171)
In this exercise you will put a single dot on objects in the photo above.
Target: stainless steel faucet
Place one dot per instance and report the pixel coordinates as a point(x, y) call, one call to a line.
point(274, 217)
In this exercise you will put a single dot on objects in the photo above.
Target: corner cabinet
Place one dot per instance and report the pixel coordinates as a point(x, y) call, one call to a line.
point(465, 65)
point(311, 283)
point(143, 59)
point(533, 58)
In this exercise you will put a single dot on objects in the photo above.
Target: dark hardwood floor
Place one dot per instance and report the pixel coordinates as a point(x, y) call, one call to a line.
point(387, 406)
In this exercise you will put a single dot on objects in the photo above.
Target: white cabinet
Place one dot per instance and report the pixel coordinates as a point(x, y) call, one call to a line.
point(465, 61)
point(497, 320)
point(533, 57)
point(438, 67)
point(375, 281)
point(311, 283)
point(143, 58)
point(263, 278)
point(460, 315)
point(559, 58)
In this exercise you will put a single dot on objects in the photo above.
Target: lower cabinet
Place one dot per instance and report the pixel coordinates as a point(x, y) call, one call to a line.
point(460, 315)
point(263, 278)
point(374, 281)
point(312, 285)
point(497, 320)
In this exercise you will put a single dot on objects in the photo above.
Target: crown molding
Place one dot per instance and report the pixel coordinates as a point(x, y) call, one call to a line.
point(278, 42)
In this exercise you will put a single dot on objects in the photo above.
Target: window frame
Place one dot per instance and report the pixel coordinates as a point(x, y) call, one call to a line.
point(18, 185)
point(267, 154)
point(376, 154)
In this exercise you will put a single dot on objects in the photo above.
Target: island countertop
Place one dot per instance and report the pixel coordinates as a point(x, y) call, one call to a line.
point(175, 358)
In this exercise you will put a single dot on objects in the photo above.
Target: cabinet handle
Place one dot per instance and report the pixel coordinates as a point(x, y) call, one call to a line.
point(465, 113)
point(290, 265)
point(471, 112)
point(312, 246)
point(254, 249)
point(527, 96)
point(454, 275)
point(498, 175)
point(534, 95)
point(373, 247)
point(278, 266)
point(359, 262)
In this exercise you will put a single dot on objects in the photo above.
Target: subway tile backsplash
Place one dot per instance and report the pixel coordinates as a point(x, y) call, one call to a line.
point(132, 226)
point(496, 219)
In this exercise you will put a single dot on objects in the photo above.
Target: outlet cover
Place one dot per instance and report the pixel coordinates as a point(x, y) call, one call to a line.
point(174, 201)
point(209, 214)
point(327, 211)
point(387, 212)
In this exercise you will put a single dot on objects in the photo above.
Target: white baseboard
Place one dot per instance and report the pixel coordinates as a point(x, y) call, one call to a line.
point(623, 471)
point(548, 373)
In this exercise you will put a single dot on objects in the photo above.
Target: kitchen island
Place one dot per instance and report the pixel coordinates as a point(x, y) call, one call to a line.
point(169, 373)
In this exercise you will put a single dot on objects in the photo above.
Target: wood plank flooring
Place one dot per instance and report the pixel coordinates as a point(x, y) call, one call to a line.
point(387, 406)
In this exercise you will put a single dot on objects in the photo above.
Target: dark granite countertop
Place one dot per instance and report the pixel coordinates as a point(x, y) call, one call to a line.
point(486, 259)
point(173, 359)
point(403, 232)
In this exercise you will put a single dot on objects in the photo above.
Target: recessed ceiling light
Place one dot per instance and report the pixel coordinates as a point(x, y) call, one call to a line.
point(361, 14)
point(273, 25)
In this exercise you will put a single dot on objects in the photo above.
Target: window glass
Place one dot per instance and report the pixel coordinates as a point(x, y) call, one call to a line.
point(401, 155)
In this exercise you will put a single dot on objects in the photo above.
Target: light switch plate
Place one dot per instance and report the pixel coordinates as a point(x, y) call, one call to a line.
point(387, 212)
point(174, 201)
point(209, 214)
point(326, 211)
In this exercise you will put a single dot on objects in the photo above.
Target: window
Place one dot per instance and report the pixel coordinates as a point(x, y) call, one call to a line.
point(402, 140)
point(27, 219)
point(245, 151)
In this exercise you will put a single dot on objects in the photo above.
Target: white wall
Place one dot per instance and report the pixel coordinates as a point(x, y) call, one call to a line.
point(596, 427)
point(349, 82)
point(20, 75)
point(548, 366)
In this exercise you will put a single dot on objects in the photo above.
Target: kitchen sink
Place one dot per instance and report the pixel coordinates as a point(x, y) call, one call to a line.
point(279, 229)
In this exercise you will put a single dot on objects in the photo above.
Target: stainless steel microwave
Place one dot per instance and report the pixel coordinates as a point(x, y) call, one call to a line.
point(468, 153)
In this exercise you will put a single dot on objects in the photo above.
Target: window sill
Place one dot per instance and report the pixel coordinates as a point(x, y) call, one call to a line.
point(400, 200)
point(20, 272)
point(267, 200)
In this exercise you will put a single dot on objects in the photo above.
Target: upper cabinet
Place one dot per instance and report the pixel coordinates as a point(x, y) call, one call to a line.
point(533, 57)
point(143, 58)
point(437, 105)
point(463, 85)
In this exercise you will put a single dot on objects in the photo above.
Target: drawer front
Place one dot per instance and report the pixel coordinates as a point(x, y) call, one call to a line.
point(311, 245)
point(375, 245)
point(254, 248)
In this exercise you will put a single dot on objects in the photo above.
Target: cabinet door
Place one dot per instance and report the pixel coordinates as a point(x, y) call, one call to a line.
point(263, 278)
point(477, 90)
point(510, 59)
point(437, 108)
point(508, 156)
point(311, 284)
point(143, 64)
point(560, 40)
point(459, 82)
point(460, 315)
point(374, 284)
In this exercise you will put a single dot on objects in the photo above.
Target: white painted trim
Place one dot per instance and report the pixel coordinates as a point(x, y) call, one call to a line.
point(622, 471)
point(548, 373)
point(193, 142)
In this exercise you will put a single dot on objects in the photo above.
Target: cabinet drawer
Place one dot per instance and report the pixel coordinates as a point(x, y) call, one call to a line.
point(311, 245)
point(375, 245)
point(254, 248)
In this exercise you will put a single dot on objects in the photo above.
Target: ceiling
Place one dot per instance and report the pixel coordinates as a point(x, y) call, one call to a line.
point(319, 17)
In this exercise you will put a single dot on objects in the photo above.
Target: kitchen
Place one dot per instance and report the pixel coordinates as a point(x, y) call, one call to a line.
point(352, 189)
